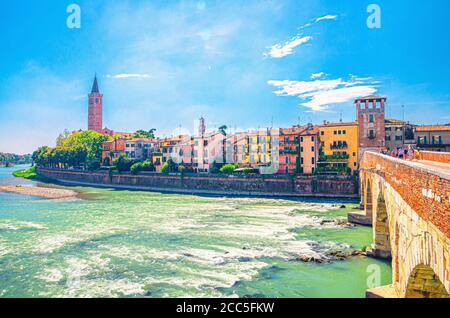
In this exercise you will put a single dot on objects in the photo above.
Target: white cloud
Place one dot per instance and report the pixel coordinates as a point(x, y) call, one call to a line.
point(320, 94)
point(326, 17)
point(128, 75)
point(317, 75)
point(287, 48)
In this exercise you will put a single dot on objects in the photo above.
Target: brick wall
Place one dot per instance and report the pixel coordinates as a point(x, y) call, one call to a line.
point(443, 157)
point(332, 186)
point(426, 192)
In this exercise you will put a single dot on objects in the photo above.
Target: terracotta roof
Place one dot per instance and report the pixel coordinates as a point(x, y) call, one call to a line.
point(371, 97)
point(339, 124)
point(433, 128)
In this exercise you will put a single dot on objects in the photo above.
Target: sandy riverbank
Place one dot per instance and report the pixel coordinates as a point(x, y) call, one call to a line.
point(49, 193)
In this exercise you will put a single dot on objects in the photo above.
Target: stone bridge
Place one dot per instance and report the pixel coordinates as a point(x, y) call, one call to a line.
point(408, 205)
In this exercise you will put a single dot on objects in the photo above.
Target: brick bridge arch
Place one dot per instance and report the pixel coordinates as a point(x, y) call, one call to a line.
point(408, 204)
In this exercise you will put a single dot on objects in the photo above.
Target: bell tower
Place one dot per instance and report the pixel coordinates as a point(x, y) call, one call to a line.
point(95, 114)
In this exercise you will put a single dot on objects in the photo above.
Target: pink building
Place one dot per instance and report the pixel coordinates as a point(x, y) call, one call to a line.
point(95, 113)
point(209, 148)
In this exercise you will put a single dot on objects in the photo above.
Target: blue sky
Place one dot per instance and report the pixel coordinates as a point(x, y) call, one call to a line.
point(163, 64)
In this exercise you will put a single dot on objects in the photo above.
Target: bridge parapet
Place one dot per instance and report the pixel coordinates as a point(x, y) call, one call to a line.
point(409, 206)
point(423, 187)
point(443, 157)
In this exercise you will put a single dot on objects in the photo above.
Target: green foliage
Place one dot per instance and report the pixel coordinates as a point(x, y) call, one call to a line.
point(122, 163)
point(181, 169)
point(169, 166)
point(228, 168)
point(28, 173)
point(147, 165)
point(10, 158)
point(145, 134)
point(81, 148)
point(248, 170)
point(136, 168)
point(223, 130)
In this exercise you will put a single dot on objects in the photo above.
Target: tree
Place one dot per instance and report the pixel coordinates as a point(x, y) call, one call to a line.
point(136, 168)
point(228, 168)
point(122, 163)
point(147, 165)
point(223, 130)
point(169, 166)
point(145, 134)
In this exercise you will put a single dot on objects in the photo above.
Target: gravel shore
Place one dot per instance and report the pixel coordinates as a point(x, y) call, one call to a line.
point(50, 193)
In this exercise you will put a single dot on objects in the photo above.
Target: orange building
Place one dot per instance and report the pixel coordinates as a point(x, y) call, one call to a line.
point(111, 150)
point(298, 149)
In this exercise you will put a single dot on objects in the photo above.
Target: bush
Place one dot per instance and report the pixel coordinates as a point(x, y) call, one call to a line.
point(147, 165)
point(137, 167)
point(228, 168)
point(122, 163)
point(248, 170)
point(93, 165)
point(181, 169)
point(169, 166)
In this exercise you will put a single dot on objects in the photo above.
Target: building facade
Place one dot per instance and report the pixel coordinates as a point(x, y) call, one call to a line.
point(339, 147)
point(209, 149)
point(298, 149)
point(111, 150)
point(433, 137)
point(398, 134)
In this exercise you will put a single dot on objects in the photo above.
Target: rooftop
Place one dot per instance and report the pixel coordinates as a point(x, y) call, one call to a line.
point(339, 124)
point(433, 128)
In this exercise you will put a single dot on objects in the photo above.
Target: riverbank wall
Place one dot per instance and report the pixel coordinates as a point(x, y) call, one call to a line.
point(270, 186)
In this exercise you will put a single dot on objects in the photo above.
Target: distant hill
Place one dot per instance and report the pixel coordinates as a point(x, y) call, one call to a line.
point(11, 158)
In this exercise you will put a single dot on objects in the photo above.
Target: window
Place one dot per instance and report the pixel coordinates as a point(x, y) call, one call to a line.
point(312, 148)
point(322, 133)
point(301, 160)
point(313, 160)
point(339, 132)
point(301, 149)
point(335, 132)
point(440, 140)
point(388, 128)
point(388, 138)
point(371, 119)
point(354, 154)
point(371, 134)
point(312, 138)
point(344, 132)
point(398, 137)
point(301, 139)
point(287, 159)
point(433, 140)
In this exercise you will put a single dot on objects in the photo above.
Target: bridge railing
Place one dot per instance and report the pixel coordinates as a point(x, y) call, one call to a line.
point(423, 187)
point(443, 157)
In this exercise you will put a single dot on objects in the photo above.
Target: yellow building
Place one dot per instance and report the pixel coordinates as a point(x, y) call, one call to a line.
point(261, 149)
point(338, 147)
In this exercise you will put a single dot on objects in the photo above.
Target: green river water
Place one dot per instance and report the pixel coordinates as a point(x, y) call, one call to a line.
point(110, 243)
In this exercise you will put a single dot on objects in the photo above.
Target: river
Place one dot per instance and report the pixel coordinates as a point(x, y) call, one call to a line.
point(110, 243)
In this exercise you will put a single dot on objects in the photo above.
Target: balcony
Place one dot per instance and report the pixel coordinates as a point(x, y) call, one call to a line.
point(339, 146)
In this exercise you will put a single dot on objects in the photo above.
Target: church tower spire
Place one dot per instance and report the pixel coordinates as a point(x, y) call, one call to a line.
point(95, 117)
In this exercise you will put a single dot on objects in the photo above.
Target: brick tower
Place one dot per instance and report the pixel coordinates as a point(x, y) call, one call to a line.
point(95, 117)
point(370, 117)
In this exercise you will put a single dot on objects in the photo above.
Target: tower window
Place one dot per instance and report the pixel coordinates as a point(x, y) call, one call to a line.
point(371, 119)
